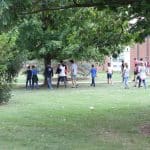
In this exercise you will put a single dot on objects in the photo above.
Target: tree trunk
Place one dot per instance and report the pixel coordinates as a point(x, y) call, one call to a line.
point(47, 61)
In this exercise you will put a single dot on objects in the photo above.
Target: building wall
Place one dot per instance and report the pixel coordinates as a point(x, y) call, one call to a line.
point(116, 62)
point(140, 51)
point(136, 51)
point(125, 55)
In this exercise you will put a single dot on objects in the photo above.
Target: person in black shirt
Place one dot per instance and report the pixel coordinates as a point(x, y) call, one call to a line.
point(122, 69)
point(29, 77)
point(49, 75)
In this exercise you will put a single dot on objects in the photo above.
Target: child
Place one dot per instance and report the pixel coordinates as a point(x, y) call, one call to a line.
point(126, 76)
point(93, 72)
point(109, 73)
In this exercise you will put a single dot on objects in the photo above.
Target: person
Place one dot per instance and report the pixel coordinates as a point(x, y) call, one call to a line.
point(135, 69)
point(141, 61)
point(74, 69)
point(126, 76)
point(66, 71)
point(29, 77)
point(142, 73)
point(148, 67)
point(62, 75)
point(109, 73)
point(49, 75)
point(136, 73)
point(122, 69)
point(34, 77)
point(93, 72)
point(58, 69)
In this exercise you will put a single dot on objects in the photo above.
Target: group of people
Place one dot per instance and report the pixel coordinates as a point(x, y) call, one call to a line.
point(32, 78)
point(140, 73)
point(61, 71)
point(141, 70)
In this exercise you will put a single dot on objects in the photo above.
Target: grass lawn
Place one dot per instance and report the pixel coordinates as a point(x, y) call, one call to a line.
point(61, 119)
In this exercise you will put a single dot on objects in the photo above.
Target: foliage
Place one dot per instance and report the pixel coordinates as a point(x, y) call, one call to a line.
point(95, 34)
point(14, 10)
point(49, 29)
point(10, 63)
point(80, 34)
point(4, 93)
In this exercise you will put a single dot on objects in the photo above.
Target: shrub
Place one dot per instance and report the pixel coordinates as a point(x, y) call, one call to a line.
point(4, 93)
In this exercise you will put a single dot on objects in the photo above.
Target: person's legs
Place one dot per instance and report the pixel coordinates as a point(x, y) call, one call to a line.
point(72, 79)
point(74, 83)
point(139, 85)
point(30, 85)
point(27, 83)
point(122, 78)
point(144, 82)
point(49, 83)
point(59, 78)
point(93, 81)
point(65, 81)
point(75, 80)
point(134, 76)
point(126, 82)
point(107, 78)
point(33, 83)
point(36, 81)
point(110, 78)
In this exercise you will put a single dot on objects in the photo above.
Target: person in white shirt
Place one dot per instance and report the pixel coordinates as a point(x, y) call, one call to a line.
point(109, 73)
point(74, 69)
point(62, 75)
point(142, 75)
point(126, 72)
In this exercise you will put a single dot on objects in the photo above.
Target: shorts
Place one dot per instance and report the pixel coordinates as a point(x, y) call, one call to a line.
point(74, 77)
point(109, 75)
point(135, 73)
point(138, 77)
point(62, 78)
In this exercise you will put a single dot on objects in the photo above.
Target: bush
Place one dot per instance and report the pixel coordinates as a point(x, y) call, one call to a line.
point(4, 93)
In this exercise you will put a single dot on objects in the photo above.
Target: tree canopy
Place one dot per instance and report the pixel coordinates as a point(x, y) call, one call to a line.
point(12, 10)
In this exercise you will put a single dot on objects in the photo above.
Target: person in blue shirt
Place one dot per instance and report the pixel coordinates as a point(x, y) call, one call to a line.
point(93, 73)
point(34, 77)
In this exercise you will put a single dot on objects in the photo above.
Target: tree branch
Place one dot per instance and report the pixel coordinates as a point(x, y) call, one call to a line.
point(80, 5)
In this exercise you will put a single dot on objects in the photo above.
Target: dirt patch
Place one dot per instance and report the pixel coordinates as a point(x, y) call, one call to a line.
point(145, 129)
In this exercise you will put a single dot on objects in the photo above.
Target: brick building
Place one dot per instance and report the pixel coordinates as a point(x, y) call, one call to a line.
point(140, 51)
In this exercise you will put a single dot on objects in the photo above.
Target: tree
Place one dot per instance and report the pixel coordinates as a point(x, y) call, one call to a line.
point(12, 10)
point(10, 62)
point(82, 34)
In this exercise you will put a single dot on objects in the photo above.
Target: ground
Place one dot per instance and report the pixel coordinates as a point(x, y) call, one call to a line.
point(106, 117)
